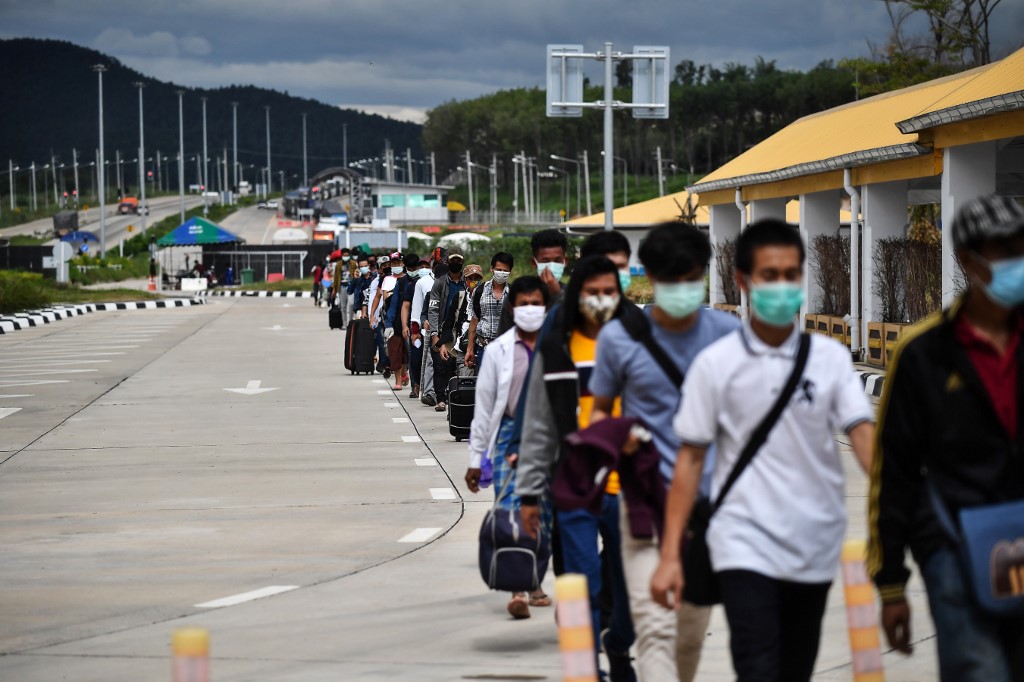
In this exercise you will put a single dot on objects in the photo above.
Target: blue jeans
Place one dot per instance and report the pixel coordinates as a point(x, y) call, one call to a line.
point(973, 646)
point(579, 530)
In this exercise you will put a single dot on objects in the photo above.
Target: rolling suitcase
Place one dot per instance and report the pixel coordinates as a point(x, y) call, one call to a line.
point(359, 347)
point(334, 317)
point(461, 398)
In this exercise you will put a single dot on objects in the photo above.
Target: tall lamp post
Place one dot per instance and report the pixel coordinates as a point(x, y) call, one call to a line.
point(565, 180)
point(234, 141)
point(305, 168)
point(269, 176)
point(556, 157)
point(142, 164)
point(181, 156)
point(205, 185)
point(625, 179)
point(99, 69)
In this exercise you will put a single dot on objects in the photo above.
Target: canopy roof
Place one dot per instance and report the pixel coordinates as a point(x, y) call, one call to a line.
point(79, 236)
point(196, 231)
point(874, 131)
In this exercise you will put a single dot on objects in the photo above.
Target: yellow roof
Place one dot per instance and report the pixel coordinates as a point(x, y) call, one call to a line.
point(666, 209)
point(999, 79)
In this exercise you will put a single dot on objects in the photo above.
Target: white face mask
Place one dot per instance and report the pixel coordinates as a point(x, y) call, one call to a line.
point(529, 318)
point(501, 276)
point(599, 308)
point(397, 270)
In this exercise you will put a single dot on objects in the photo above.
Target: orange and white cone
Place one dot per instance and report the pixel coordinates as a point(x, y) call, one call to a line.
point(191, 661)
point(575, 629)
point(152, 283)
point(861, 615)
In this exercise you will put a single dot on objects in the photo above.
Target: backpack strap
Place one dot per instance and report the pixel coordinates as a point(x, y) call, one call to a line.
point(639, 329)
point(478, 295)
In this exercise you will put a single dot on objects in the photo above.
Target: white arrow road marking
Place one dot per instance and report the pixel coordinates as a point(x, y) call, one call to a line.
point(420, 535)
point(442, 493)
point(252, 388)
point(8, 411)
point(247, 596)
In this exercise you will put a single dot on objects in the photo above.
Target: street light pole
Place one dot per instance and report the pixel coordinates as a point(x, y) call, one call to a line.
point(142, 161)
point(609, 169)
point(206, 166)
point(344, 145)
point(469, 174)
point(234, 141)
point(556, 157)
point(74, 162)
point(99, 69)
point(181, 156)
point(269, 176)
point(10, 176)
point(305, 166)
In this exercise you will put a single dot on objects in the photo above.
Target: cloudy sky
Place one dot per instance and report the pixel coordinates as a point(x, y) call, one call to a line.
point(402, 57)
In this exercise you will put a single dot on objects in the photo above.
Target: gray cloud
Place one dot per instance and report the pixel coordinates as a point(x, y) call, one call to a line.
point(424, 53)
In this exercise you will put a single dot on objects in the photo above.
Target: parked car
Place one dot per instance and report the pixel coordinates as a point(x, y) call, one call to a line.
point(261, 205)
point(272, 205)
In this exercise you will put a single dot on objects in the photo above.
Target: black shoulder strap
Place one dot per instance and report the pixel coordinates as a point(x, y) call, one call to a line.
point(477, 296)
point(639, 329)
point(760, 434)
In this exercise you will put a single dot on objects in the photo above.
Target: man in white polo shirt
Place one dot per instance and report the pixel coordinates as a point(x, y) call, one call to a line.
point(775, 539)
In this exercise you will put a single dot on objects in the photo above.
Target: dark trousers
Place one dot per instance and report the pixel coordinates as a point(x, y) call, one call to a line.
point(443, 372)
point(774, 626)
point(416, 361)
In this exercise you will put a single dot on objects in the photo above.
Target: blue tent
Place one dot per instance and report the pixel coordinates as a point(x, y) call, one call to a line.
point(198, 231)
point(80, 236)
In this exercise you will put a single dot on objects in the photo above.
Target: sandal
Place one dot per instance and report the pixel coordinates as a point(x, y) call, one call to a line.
point(518, 607)
point(396, 387)
point(405, 379)
point(538, 598)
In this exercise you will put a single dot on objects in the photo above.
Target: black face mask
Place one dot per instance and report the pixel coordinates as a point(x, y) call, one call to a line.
point(455, 266)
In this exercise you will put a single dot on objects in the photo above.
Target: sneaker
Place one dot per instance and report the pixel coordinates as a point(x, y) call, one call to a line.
point(620, 666)
point(440, 407)
point(386, 373)
point(428, 399)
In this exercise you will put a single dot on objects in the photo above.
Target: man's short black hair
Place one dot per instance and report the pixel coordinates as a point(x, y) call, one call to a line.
point(411, 260)
point(604, 242)
point(502, 257)
point(548, 238)
point(525, 285)
point(768, 232)
point(674, 250)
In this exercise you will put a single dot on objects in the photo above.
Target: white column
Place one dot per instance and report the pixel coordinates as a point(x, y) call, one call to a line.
point(819, 214)
point(725, 224)
point(885, 215)
point(764, 209)
point(968, 171)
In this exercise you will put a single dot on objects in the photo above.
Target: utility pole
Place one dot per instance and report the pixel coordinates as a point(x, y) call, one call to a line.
point(10, 181)
point(515, 190)
point(99, 69)
point(53, 174)
point(142, 162)
point(205, 184)
point(35, 205)
point(117, 168)
point(74, 162)
point(408, 166)
point(269, 176)
point(234, 141)
point(344, 145)
point(305, 165)
point(433, 170)
point(181, 156)
point(472, 204)
point(661, 175)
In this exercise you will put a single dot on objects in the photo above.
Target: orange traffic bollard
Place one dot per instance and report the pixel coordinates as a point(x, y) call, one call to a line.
point(861, 615)
point(152, 283)
point(191, 661)
point(575, 629)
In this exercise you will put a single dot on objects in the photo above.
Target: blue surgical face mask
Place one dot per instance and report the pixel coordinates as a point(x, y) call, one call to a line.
point(1007, 286)
point(364, 269)
point(557, 269)
point(776, 303)
point(423, 272)
point(679, 299)
point(625, 279)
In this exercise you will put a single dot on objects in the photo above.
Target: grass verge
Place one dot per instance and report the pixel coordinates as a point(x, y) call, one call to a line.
point(21, 291)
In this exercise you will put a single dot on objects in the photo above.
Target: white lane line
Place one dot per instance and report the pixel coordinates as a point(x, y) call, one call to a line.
point(390, 404)
point(400, 420)
point(378, 381)
point(14, 384)
point(34, 355)
point(442, 493)
point(426, 462)
point(386, 392)
point(420, 535)
point(28, 364)
point(17, 395)
point(8, 411)
point(411, 439)
point(4, 373)
point(246, 596)
point(39, 347)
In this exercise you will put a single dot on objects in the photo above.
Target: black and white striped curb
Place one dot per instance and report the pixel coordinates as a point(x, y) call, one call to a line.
point(872, 382)
point(37, 318)
point(258, 294)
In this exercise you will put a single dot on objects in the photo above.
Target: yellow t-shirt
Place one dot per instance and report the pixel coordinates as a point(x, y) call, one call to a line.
point(583, 351)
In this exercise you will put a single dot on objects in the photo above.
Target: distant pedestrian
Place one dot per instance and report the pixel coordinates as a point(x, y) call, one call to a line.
point(323, 287)
point(446, 298)
point(318, 276)
point(950, 429)
point(473, 275)
point(775, 541)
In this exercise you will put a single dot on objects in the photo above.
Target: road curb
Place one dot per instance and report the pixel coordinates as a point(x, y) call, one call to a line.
point(257, 294)
point(873, 383)
point(37, 318)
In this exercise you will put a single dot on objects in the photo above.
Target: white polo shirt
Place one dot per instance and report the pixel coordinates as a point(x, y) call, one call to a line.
point(785, 517)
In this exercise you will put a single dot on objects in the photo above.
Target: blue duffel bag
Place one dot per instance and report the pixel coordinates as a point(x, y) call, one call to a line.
point(510, 560)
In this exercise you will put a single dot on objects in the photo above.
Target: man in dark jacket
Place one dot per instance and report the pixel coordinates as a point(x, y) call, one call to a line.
point(445, 301)
point(951, 434)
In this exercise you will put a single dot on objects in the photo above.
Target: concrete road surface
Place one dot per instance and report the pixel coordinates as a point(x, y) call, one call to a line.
point(165, 468)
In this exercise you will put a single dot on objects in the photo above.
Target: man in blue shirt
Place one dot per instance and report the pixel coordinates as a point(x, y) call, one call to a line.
point(675, 257)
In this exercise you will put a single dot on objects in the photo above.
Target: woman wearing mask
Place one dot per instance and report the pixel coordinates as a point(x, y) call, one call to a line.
point(559, 402)
point(502, 375)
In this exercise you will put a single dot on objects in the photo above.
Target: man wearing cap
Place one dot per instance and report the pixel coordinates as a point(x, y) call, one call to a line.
point(950, 438)
point(446, 298)
point(412, 319)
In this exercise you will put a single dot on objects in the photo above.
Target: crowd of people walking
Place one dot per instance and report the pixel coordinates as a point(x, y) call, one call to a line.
point(679, 457)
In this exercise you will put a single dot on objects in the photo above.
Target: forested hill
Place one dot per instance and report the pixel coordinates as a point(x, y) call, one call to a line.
point(715, 114)
point(50, 106)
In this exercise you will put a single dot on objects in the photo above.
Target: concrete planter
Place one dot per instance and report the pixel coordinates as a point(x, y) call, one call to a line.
point(876, 344)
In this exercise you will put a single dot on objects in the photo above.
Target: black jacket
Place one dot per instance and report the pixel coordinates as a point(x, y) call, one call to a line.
point(935, 419)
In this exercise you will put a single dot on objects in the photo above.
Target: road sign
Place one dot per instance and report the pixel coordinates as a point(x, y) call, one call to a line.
point(565, 81)
point(131, 228)
point(62, 252)
point(650, 81)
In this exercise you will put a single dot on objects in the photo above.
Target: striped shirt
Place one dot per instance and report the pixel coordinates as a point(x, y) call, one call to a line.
point(490, 312)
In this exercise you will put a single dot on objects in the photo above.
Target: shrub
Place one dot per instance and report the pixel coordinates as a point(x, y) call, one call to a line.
point(21, 291)
point(830, 265)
